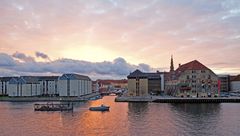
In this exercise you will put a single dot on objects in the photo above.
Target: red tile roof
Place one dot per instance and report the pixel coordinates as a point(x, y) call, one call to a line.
point(193, 65)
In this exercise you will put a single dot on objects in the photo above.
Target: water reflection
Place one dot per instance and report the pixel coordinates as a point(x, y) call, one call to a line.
point(196, 119)
point(137, 108)
point(134, 119)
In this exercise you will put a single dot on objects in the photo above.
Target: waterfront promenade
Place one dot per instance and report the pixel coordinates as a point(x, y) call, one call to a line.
point(48, 99)
point(161, 99)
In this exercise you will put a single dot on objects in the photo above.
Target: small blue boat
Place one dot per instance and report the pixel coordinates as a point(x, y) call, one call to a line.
point(100, 108)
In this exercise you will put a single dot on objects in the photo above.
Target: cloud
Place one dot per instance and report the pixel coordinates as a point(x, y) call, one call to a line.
point(118, 68)
point(6, 60)
point(142, 32)
point(42, 55)
point(23, 57)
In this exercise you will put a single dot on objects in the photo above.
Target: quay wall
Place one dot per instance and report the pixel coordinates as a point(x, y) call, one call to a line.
point(48, 99)
point(178, 100)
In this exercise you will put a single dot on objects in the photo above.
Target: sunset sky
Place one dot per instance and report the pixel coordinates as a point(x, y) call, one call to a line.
point(110, 38)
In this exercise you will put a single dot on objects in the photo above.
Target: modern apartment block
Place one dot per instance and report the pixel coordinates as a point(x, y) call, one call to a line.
point(142, 84)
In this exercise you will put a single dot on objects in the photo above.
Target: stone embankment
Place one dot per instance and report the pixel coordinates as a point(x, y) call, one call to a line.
point(48, 99)
point(160, 99)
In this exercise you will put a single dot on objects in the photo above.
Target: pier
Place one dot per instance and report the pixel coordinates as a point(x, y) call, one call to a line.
point(178, 100)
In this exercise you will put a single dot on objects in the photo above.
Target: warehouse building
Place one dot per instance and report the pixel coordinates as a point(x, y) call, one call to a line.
point(4, 81)
point(24, 86)
point(74, 85)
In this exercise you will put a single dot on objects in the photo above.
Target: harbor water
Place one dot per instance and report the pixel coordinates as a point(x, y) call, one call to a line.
point(123, 119)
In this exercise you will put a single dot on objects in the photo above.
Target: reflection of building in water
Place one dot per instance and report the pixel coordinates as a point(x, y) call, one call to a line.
point(198, 108)
point(137, 108)
point(197, 118)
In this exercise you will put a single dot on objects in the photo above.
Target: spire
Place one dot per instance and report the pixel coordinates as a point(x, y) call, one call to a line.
point(171, 67)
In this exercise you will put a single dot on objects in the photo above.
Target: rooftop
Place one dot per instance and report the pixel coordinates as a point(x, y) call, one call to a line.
point(74, 77)
point(140, 74)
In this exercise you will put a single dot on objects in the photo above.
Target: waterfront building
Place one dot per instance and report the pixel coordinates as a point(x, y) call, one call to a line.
point(224, 83)
point(48, 85)
point(235, 83)
point(24, 86)
point(74, 85)
point(192, 79)
point(143, 84)
point(4, 81)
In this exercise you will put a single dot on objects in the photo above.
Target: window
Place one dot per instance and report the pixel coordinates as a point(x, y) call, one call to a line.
point(202, 71)
point(137, 88)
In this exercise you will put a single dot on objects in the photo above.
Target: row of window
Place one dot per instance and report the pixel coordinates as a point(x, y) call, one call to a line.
point(195, 76)
point(202, 71)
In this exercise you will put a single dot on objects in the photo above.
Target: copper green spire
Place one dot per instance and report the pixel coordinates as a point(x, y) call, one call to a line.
point(171, 67)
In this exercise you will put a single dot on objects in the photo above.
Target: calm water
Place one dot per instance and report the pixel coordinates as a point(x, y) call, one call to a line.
point(123, 119)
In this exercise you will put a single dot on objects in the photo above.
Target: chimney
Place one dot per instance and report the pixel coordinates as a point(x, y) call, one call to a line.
point(179, 64)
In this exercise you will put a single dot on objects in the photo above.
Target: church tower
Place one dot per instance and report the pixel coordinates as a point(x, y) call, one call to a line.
point(171, 66)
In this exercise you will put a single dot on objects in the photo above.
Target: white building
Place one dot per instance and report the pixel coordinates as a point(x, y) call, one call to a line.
point(24, 86)
point(235, 84)
point(74, 85)
point(48, 85)
point(4, 81)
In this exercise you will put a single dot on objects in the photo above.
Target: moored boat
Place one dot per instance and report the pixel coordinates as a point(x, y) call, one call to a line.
point(100, 108)
point(53, 107)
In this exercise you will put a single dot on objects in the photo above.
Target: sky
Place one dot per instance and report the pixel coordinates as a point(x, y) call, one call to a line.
point(111, 38)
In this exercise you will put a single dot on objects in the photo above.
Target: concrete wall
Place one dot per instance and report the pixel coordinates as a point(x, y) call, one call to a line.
point(235, 85)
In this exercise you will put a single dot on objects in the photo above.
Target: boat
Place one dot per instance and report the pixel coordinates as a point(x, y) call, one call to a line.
point(53, 107)
point(95, 98)
point(100, 108)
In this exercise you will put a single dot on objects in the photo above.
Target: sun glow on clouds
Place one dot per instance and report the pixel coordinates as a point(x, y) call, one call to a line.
point(142, 31)
point(89, 52)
